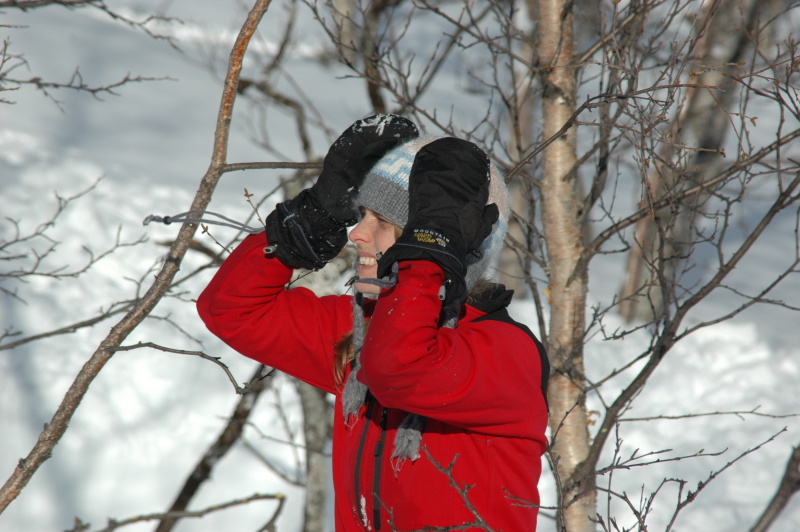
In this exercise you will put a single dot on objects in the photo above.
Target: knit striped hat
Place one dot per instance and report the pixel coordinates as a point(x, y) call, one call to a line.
point(385, 191)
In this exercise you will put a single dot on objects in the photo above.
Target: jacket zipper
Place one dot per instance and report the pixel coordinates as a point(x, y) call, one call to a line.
point(367, 416)
point(376, 478)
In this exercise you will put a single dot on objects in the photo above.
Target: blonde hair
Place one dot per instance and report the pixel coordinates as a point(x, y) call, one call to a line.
point(345, 354)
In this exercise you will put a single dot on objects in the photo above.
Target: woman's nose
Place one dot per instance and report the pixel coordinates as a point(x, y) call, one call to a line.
point(359, 233)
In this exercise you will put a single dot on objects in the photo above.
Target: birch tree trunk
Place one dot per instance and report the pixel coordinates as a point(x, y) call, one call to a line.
point(563, 224)
point(317, 429)
point(343, 13)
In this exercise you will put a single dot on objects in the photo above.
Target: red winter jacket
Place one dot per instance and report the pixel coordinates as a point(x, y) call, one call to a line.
point(479, 387)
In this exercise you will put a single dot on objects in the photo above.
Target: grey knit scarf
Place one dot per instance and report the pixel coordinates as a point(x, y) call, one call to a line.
point(408, 440)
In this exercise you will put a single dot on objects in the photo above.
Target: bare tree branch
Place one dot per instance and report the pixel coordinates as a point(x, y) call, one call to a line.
point(463, 493)
point(54, 430)
point(227, 438)
point(77, 83)
point(738, 413)
point(690, 496)
point(116, 308)
point(789, 486)
point(249, 387)
point(115, 524)
point(10, 61)
point(27, 5)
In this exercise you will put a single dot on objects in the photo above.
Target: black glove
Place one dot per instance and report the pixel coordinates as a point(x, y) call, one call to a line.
point(311, 229)
point(447, 213)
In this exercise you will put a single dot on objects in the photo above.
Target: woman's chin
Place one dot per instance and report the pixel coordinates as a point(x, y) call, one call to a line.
point(366, 288)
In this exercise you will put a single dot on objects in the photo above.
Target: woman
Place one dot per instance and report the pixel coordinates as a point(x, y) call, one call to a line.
point(434, 383)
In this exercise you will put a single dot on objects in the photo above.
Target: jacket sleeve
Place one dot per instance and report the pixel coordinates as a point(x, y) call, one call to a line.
point(248, 306)
point(483, 376)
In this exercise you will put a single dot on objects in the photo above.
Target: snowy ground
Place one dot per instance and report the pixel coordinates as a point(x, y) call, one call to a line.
point(149, 415)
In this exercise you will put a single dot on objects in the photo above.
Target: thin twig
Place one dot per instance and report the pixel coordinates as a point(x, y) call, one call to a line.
point(114, 524)
point(253, 385)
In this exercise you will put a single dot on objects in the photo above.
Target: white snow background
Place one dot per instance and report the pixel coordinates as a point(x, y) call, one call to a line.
point(149, 415)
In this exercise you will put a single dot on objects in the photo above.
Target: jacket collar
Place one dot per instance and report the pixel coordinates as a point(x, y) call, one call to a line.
point(495, 297)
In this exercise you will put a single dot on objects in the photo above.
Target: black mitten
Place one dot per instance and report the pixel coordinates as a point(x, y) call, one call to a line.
point(311, 229)
point(350, 158)
point(447, 213)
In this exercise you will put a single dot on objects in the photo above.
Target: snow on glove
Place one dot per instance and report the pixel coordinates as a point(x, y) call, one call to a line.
point(311, 229)
point(447, 213)
point(351, 157)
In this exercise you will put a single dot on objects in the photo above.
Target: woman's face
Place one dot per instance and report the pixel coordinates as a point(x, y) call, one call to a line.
point(373, 234)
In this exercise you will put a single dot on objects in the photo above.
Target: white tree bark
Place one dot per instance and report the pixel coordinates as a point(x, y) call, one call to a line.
point(563, 225)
